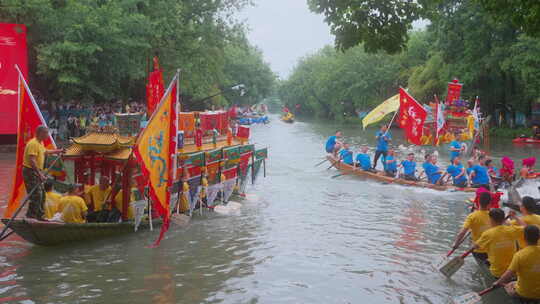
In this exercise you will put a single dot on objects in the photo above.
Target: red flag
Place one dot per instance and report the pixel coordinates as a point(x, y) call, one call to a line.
point(12, 52)
point(29, 119)
point(412, 116)
point(155, 149)
point(155, 88)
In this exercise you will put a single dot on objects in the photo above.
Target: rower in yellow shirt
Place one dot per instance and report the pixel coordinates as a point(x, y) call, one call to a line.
point(52, 199)
point(528, 206)
point(118, 203)
point(97, 194)
point(74, 208)
point(499, 242)
point(526, 266)
point(477, 222)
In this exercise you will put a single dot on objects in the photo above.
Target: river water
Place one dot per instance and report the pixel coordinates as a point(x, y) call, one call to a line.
point(301, 237)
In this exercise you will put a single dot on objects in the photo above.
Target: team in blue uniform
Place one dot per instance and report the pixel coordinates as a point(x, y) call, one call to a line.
point(333, 144)
point(433, 172)
point(409, 168)
point(458, 173)
point(383, 137)
point(363, 161)
point(346, 155)
point(479, 174)
point(390, 164)
point(455, 149)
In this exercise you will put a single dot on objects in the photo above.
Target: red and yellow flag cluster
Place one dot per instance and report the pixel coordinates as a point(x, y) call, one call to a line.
point(155, 149)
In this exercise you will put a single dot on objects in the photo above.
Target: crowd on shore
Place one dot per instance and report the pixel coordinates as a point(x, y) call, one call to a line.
point(70, 119)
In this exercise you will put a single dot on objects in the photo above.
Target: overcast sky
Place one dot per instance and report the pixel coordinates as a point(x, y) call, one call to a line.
point(286, 30)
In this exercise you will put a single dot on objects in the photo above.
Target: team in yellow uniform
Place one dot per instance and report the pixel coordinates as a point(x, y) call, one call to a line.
point(97, 194)
point(477, 222)
point(499, 242)
point(526, 266)
point(52, 200)
point(527, 209)
point(73, 207)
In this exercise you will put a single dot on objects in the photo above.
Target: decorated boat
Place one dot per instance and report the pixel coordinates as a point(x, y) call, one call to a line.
point(208, 164)
point(526, 140)
point(288, 117)
point(381, 177)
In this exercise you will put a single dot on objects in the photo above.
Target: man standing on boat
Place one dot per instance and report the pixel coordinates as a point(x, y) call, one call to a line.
point(383, 137)
point(455, 147)
point(32, 172)
point(526, 266)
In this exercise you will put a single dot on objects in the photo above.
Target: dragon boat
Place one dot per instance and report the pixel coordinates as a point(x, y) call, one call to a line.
point(525, 140)
point(381, 177)
point(212, 165)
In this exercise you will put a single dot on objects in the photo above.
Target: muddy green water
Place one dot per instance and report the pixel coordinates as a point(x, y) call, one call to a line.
point(301, 237)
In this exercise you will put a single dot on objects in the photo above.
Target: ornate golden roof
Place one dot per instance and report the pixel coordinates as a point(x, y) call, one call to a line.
point(76, 150)
point(103, 140)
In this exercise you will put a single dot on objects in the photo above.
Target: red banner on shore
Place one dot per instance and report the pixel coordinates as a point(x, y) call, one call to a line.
point(412, 117)
point(12, 52)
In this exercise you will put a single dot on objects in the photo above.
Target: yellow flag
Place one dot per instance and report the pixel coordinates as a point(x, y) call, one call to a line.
point(154, 150)
point(388, 106)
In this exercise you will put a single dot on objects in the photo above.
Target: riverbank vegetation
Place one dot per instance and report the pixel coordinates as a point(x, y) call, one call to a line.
point(101, 50)
point(493, 55)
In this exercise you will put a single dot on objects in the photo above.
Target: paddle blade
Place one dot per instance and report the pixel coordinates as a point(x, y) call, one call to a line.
point(470, 298)
point(451, 266)
point(181, 220)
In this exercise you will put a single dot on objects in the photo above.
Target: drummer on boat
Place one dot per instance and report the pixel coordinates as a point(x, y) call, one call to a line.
point(32, 172)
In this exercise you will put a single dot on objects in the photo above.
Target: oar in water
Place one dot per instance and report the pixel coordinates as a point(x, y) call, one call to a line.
point(344, 173)
point(333, 164)
point(473, 297)
point(325, 160)
point(452, 266)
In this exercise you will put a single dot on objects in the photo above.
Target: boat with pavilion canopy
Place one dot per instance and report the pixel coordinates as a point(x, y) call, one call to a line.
point(211, 164)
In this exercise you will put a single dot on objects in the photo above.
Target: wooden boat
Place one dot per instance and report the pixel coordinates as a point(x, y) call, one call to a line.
point(288, 118)
point(526, 140)
point(56, 233)
point(347, 169)
point(490, 279)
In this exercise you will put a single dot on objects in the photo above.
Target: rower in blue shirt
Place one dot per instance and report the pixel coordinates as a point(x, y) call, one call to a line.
point(333, 144)
point(383, 137)
point(409, 168)
point(433, 173)
point(458, 173)
point(346, 155)
point(363, 161)
point(479, 174)
point(390, 164)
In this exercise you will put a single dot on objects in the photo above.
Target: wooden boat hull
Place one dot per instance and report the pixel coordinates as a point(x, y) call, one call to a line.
point(347, 169)
point(490, 279)
point(526, 140)
point(56, 233)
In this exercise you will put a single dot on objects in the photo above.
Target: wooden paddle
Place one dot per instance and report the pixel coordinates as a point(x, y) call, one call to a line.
point(334, 164)
point(473, 297)
point(458, 244)
point(452, 266)
point(325, 160)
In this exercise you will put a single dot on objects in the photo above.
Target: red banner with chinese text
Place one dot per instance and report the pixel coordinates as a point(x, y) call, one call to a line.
point(454, 92)
point(155, 88)
point(12, 51)
point(411, 117)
